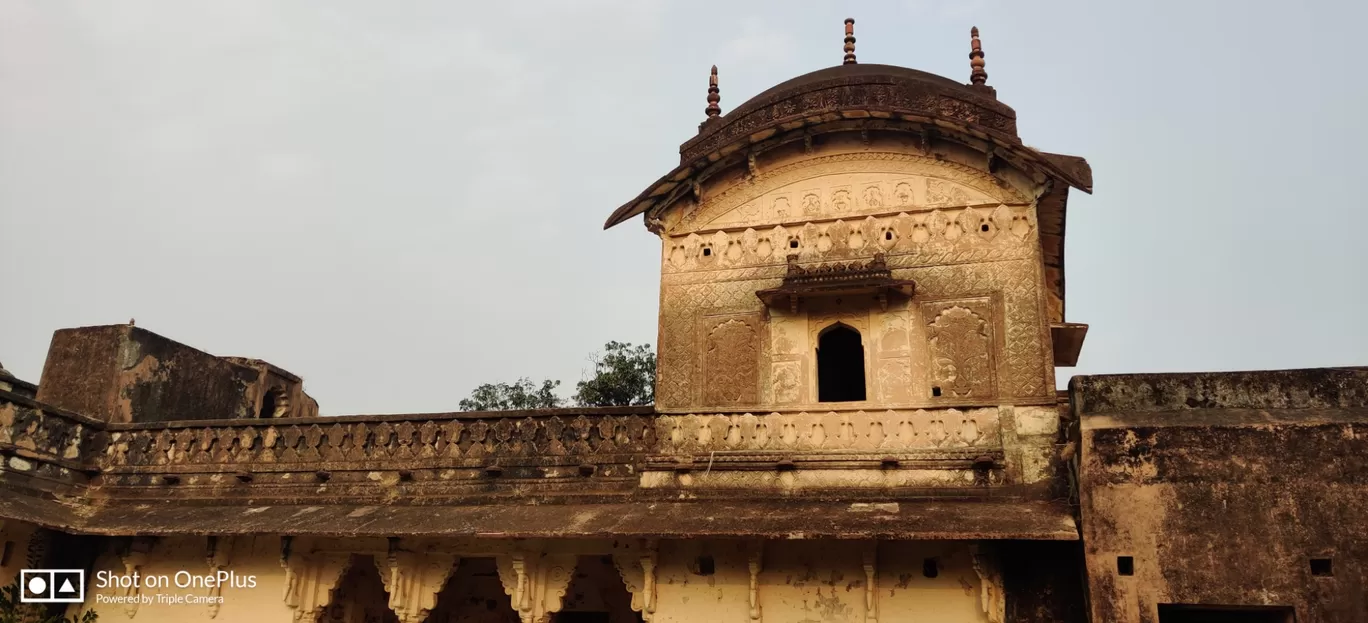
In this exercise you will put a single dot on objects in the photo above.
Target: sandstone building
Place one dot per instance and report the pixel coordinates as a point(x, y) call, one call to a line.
point(862, 311)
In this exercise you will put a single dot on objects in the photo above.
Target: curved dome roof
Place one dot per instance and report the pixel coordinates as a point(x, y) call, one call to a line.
point(875, 90)
point(906, 97)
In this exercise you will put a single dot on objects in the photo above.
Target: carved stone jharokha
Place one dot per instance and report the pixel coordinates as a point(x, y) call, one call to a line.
point(872, 278)
point(535, 582)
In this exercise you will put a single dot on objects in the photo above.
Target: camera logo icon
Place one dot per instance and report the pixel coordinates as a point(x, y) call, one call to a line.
point(52, 586)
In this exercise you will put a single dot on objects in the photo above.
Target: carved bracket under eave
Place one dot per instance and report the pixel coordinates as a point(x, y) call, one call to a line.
point(870, 561)
point(536, 582)
point(310, 580)
point(414, 580)
point(1068, 342)
point(139, 550)
point(216, 556)
point(638, 571)
point(991, 595)
point(755, 553)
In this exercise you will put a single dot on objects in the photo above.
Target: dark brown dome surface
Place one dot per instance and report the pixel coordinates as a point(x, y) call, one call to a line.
point(877, 89)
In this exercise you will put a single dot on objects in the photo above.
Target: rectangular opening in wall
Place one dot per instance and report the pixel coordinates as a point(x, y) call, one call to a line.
point(1321, 567)
point(1125, 565)
point(1195, 613)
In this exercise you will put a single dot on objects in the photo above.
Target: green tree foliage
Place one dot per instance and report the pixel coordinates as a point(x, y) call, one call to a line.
point(623, 375)
point(14, 611)
point(521, 394)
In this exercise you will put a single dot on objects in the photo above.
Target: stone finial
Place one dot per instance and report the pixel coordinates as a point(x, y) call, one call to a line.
point(713, 109)
point(849, 42)
point(977, 75)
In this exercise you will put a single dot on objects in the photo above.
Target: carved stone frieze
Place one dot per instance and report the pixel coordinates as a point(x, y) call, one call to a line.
point(816, 432)
point(839, 184)
point(952, 235)
point(444, 441)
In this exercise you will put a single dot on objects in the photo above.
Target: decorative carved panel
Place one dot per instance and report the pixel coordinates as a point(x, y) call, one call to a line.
point(731, 357)
point(865, 182)
point(961, 345)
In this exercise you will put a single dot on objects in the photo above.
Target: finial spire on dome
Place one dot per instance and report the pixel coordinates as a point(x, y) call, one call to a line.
point(714, 97)
point(849, 42)
point(977, 76)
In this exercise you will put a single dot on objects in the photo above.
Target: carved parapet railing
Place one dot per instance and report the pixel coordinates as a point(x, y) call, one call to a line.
point(906, 448)
point(478, 449)
point(47, 445)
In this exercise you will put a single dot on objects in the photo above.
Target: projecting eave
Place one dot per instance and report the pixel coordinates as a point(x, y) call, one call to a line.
point(1072, 171)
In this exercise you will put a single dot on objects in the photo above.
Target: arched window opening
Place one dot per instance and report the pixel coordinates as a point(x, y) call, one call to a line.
point(840, 365)
point(274, 403)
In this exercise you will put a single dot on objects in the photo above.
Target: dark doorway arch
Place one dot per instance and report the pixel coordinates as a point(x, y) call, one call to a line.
point(840, 365)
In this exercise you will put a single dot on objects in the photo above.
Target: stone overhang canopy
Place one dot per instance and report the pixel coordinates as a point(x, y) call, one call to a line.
point(831, 280)
point(855, 97)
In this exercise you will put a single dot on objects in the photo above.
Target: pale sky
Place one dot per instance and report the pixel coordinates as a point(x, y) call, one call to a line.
point(401, 200)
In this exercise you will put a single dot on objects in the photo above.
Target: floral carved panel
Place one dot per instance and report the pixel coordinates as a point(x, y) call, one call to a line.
point(731, 356)
point(961, 347)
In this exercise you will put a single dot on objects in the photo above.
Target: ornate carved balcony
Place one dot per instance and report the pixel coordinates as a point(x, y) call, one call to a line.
point(837, 279)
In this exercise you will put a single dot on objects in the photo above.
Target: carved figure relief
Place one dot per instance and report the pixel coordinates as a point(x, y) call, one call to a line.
point(961, 341)
point(781, 208)
point(939, 192)
point(731, 352)
point(868, 182)
point(873, 197)
point(840, 200)
point(894, 380)
point(786, 377)
point(903, 193)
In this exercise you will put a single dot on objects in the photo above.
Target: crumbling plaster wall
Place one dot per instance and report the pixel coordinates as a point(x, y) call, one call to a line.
point(1221, 488)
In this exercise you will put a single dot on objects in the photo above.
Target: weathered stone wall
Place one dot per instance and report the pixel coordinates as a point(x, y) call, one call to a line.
point(1245, 489)
point(123, 374)
point(974, 334)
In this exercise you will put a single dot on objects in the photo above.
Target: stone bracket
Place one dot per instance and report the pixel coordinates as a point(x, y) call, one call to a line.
point(536, 582)
point(216, 556)
point(414, 580)
point(755, 552)
point(992, 598)
point(638, 571)
point(310, 580)
point(133, 559)
point(869, 560)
